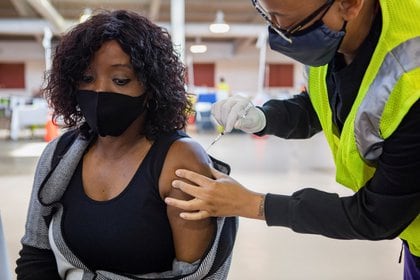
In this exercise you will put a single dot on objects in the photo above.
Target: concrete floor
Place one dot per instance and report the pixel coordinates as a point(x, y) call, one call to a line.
point(265, 165)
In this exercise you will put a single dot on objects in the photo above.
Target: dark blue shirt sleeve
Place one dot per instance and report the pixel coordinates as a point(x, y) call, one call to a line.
point(379, 210)
point(293, 118)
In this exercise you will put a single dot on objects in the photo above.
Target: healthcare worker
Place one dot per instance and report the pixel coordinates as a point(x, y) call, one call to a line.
point(363, 69)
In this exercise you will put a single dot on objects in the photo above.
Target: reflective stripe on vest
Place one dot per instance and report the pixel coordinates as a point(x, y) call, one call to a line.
point(400, 60)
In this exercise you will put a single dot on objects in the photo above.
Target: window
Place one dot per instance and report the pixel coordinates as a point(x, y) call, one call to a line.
point(204, 74)
point(280, 75)
point(12, 75)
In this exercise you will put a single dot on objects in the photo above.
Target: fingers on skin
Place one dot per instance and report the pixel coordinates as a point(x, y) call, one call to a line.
point(191, 205)
point(194, 177)
point(188, 188)
point(195, 215)
point(187, 205)
point(204, 193)
point(203, 185)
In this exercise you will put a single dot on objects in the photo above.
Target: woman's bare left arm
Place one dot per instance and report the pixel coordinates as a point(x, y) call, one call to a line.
point(191, 238)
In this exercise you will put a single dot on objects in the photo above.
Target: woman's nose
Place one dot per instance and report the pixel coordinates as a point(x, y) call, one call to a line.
point(99, 85)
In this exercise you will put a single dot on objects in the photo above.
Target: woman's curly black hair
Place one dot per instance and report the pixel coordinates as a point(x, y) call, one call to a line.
point(153, 58)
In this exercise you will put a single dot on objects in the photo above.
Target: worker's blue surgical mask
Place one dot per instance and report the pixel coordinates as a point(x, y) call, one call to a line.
point(313, 46)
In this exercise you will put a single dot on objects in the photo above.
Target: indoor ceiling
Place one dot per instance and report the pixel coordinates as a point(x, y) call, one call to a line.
point(23, 19)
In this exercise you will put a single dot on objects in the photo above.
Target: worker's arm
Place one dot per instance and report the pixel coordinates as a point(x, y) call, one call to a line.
point(293, 118)
point(380, 210)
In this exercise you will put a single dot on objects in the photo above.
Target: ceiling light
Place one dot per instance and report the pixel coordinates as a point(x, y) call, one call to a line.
point(219, 25)
point(198, 47)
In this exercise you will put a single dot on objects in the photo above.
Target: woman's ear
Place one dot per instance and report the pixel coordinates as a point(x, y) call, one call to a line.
point(350, 9)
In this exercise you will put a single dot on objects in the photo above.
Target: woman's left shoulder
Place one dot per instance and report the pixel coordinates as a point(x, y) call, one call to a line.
point(188, 148)
point(184, 153)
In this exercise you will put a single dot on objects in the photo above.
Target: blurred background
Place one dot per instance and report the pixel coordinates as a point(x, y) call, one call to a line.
point(224, 47)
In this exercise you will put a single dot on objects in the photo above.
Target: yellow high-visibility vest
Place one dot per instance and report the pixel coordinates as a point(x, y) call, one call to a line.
point(390, 86)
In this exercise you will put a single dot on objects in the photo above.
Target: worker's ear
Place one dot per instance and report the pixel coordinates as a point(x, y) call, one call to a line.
point(350, 9)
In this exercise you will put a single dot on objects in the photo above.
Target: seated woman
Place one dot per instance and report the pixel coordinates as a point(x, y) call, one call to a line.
point(97, 209)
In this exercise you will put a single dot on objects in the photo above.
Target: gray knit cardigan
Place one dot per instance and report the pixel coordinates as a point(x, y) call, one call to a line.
point(43, 228)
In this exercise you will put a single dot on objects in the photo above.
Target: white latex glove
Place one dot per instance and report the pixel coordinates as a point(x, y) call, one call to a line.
point(238, 112)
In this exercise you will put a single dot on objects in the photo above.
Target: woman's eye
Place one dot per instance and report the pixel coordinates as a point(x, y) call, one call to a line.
point(121, 82)
point(86, 79)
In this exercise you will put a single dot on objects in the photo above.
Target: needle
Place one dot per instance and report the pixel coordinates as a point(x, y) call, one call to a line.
point(245, 112)
point(215, 140)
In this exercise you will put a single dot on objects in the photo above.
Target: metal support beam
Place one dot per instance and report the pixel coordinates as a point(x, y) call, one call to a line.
point(48, 11)
point(178, 27)
point(46, 43)
point(23, 8)
point(23, 27)
point(154, 9)
point(262, 45)
point(34, 27)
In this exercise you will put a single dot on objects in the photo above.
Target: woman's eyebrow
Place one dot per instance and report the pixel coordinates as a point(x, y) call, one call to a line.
point(129, 66)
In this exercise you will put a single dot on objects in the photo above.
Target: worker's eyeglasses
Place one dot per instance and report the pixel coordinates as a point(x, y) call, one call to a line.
point(287, 33)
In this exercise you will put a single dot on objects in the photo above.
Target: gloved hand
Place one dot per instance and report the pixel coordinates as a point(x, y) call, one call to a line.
point(238, 112)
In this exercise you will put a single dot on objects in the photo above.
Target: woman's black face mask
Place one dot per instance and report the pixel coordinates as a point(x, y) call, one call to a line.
point(109, 113)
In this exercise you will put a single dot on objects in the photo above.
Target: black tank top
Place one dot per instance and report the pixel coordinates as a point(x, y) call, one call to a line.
point(129, 233)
